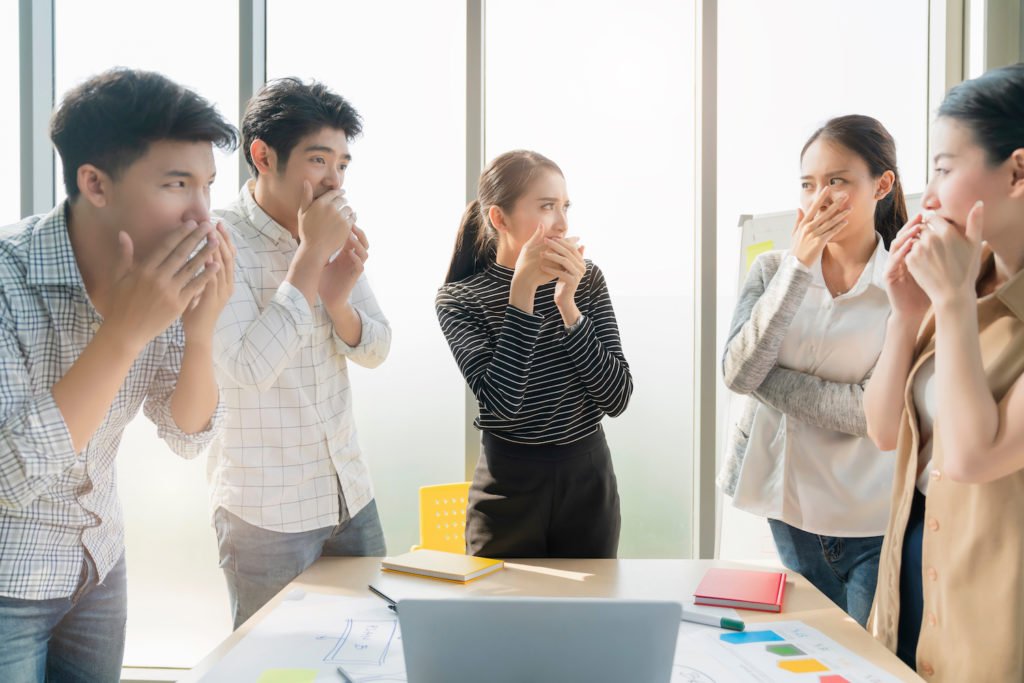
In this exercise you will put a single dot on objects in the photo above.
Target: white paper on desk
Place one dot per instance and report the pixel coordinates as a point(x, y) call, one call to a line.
point(702, 656)
point(710, 610)
point(320, 632)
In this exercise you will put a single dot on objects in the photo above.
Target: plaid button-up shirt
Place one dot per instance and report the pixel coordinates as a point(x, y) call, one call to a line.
point(289, 443)
point(56, 505)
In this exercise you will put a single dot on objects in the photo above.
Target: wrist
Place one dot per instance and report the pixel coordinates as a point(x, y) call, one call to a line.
point(521, 295)
point(123, 346)
point(958, 303)
point(570, 314)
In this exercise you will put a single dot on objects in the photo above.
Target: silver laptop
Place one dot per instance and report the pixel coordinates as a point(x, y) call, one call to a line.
point(536, 640)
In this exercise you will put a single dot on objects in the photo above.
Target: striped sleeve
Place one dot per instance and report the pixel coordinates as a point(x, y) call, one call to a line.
point(596, 351)
point(497, 373)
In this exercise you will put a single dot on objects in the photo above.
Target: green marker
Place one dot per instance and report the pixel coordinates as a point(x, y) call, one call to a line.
point(711, 620)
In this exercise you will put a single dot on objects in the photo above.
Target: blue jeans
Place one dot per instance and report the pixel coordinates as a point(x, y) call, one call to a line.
point(844, 569)
point(258, 563)
point(74, 639)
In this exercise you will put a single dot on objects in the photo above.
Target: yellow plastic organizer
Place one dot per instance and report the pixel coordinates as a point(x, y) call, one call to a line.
point(443, 517)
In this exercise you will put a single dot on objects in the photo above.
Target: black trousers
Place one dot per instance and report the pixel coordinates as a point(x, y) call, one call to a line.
point(544, 501)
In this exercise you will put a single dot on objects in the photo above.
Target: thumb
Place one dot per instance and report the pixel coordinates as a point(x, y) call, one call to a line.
point(126, 254)
point(975, 222)
point(799, 219)
point(307, 196)
point(538, 233)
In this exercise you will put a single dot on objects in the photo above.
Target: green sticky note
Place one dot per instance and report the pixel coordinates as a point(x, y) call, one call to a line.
point(784, 650)
point(755, 250)
point(288, 676)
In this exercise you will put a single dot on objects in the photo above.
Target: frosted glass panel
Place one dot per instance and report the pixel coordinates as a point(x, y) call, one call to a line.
point(606, 89)
point(10, 117)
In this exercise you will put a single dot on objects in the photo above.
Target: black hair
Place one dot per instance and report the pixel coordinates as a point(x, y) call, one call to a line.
point(992, 107)
point(867, 138)
point(285, 110)
point(111, 120)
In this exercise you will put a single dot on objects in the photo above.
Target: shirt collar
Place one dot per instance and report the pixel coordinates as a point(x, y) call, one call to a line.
point(257, 217)
point(873, 274)
point(51, 259)
point(1011, 293)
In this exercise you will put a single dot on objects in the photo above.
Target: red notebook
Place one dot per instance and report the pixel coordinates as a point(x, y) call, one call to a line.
point(743, 589)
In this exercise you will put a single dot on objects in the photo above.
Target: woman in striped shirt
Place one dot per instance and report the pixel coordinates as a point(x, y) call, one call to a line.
point(531, 326)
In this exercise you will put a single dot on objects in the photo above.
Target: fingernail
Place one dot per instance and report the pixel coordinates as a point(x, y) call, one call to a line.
point(979, 204)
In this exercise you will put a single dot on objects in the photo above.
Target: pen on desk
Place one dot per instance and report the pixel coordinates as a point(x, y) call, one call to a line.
point(391, 603)
point(711, 620)
point(345, 677)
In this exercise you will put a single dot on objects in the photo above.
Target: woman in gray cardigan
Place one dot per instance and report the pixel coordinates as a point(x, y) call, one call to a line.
point(806, 334)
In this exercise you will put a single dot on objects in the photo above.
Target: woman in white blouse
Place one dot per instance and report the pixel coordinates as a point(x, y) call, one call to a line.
point(805, 337)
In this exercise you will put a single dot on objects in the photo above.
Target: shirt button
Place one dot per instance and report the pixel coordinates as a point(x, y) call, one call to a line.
point(95, 327)
point(927, 669)
point(933, 524)
point(936, 475)
point(932, 574)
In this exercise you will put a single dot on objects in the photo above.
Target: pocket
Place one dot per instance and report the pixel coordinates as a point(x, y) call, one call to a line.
point(222, 526)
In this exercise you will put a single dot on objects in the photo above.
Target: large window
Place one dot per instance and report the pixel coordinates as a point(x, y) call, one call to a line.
point(10, 120)
point(783, 70)
point(402, 65)
point(177, 602)
point(606, 89)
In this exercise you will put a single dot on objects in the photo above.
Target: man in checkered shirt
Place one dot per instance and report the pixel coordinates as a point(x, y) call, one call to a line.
point(108, 303)
point(288, 479)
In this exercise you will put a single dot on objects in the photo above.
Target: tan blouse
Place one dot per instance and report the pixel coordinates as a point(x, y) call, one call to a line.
point(973, 547)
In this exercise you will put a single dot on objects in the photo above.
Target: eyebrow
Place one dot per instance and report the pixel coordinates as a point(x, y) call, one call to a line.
point(943, 155)
point(176, 173)
point(548, 199)
point(324, 148)
point(839, 172)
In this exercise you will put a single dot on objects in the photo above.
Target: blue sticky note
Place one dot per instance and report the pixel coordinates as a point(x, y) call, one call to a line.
point(751, 637)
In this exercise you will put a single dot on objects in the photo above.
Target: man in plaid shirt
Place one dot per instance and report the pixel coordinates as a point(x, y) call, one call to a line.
point(288, 478)
point(108, 303)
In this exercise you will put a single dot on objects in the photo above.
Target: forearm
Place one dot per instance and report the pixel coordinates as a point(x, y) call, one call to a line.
point(304, 272)
point(968, 417)
point(837, 406)
point(196, 394)
point(884, 396)
point(86, 392)
point(347, 323)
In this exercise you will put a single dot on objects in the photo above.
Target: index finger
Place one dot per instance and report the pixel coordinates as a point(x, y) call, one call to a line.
point(171, 242)
point(818, 201)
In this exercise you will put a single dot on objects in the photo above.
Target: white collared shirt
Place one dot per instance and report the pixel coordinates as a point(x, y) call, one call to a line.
point(289, 436)
point(819, 480)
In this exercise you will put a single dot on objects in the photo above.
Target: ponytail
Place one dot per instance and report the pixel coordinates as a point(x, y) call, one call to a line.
point(891, 213)
point(475, 245)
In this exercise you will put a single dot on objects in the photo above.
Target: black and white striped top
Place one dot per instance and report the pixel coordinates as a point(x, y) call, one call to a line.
point(536, 383)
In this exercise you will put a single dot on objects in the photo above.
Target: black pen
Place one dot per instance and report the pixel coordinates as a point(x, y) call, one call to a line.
point(344, 676)
point(391, 603)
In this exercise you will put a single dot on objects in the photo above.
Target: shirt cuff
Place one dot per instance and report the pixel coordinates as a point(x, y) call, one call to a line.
point(791, 261)
point(188, 445)
point(292, 300)
point(364, 323)
point(42, 438)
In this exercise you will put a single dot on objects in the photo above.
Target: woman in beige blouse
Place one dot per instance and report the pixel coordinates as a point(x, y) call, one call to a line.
point(950, 599)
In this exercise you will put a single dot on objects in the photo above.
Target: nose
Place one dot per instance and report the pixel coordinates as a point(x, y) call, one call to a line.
point(198, 209)
point(333, 179)
point(930, 198)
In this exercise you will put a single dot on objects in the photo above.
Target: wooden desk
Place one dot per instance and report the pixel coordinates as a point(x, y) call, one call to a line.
point(637, 579)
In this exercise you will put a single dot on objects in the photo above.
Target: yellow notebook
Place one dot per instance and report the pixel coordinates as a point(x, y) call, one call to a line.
point(440, 565)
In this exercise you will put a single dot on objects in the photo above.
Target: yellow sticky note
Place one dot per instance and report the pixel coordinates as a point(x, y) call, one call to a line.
point(803, 666)
point(288, 676)
point(755, 250)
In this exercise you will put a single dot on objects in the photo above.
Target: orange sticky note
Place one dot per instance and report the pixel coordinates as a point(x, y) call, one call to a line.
point(803, 666)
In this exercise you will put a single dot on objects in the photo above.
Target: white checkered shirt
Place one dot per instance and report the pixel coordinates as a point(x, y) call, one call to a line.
point(289, 435)
point(55, 504)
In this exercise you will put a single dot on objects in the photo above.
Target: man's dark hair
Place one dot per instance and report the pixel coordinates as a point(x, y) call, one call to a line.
point(111, 120)
point(286, 110)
